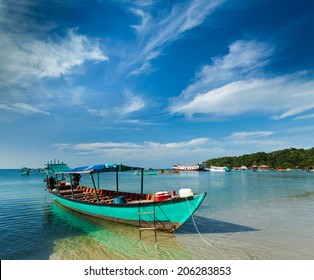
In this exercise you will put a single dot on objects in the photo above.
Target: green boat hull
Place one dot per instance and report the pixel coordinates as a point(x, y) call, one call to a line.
point(146, 173)
point(165, 215)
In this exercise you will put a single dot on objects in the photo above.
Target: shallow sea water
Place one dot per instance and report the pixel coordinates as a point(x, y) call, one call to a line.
point(246, 215)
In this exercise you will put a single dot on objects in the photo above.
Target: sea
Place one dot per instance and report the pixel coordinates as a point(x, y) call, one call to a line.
point(245, 216)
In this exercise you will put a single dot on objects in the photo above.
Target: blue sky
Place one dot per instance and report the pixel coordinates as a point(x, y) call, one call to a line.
point(153, 83)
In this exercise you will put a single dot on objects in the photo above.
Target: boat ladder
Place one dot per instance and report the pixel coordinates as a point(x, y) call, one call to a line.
point(153, 223)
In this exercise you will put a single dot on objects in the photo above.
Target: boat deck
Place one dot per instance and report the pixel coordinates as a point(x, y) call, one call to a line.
point(81, 193)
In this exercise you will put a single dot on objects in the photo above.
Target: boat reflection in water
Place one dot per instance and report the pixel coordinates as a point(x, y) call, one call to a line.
point(91, 238)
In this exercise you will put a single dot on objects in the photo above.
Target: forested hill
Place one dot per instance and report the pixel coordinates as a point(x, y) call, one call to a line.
point(288, 158)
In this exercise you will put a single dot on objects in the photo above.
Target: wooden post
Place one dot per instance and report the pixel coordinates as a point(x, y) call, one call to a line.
point(58, 190)
point(117, 179)
point(71, 182)
point(142, 180)
point(95, 189)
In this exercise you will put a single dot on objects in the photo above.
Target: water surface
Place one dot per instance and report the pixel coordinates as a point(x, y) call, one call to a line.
point(246, 215)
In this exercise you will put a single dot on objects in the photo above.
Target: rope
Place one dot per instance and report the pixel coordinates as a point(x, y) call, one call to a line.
point(195, 225)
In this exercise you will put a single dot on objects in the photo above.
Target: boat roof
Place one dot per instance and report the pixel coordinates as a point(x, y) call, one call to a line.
point(58, 167)
point(98, 168)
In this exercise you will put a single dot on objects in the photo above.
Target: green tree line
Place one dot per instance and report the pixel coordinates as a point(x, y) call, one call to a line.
point(288, 158)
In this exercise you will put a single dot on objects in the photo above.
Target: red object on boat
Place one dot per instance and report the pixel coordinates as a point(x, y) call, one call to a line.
point(160, 196)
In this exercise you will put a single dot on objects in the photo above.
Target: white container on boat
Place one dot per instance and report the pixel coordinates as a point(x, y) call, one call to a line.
point(185, 192)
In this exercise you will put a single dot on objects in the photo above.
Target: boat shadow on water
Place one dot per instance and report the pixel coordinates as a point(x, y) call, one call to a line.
point(207, 226)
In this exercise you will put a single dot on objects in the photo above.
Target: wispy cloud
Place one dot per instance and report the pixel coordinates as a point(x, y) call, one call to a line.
point(23, 108)
point(193, 150)
point(244, 135)
point(178, 145)
point(97, 146)
point(36, 51)
point(244, 60)
point(236, 84)
point(156, 32)
point(144, 19)
point(25, 58)
point(254, 139)
point(132, 104)
point(279, 97)
point(146, 151)
point(305, 117)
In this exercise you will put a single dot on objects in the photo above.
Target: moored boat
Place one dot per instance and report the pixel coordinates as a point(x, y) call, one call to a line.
point(219, 169)
point(168, 171)
point(188, 167)
point(146, 171)
point(25, 171)
point(159, 210)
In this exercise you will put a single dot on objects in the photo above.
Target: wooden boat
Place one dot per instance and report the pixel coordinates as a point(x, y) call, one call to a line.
point(159, 210)
point(168, 171)
point(25, 171)
point(146, 171)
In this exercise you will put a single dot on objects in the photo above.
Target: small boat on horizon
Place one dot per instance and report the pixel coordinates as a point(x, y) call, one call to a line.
point(168, 171)
point(25, 171)
point(218, 169)
point(188, 167)
point(146, 171)
point(159, 210)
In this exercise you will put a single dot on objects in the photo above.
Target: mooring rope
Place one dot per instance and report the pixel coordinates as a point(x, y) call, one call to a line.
point(195, 224)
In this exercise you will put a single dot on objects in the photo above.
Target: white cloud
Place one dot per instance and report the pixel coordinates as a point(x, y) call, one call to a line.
point(245, 59)
point(244, 135)
point(23, 108)
point(157, 154)
point(144, 17)
point(99, 112)
point(286, 95)
point(34, 52)
point(245, 142)
point(76, 95)
point(25, 58)
point(132, 104)
point(147, 151)
point(155, 33)
point(189, 144)
point(92, 147)
point(253, 140)
point(235, 84)
point(304, 117)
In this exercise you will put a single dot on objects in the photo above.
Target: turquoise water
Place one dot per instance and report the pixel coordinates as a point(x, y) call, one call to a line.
point(246, 215)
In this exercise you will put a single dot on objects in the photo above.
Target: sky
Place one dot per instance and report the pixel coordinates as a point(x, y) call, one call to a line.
point(153, 83)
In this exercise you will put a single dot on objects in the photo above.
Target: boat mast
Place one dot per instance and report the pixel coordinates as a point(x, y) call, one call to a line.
point(71, 183)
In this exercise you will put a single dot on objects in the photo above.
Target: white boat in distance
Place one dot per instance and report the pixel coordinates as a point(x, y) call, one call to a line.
point(188, 167)
point(219, 169)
